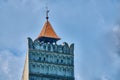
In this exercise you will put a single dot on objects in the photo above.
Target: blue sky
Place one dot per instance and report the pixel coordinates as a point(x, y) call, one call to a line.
point(93, 25)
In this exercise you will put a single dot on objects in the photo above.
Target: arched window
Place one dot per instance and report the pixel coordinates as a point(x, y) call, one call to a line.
point(44, 47)
point(49, 48)
point(44, 58)
point(33, 65)
point(61, 61)
point(39, 58)
point(57, 60)
point(68, 60)
point(47, 56)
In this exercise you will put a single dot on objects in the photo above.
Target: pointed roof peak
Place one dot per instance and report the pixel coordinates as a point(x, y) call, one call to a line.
point(48, 33)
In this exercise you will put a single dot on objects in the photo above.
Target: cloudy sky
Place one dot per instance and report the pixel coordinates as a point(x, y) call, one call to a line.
point(93, 25)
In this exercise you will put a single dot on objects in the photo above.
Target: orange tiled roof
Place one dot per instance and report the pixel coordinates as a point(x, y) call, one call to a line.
point(48, 31)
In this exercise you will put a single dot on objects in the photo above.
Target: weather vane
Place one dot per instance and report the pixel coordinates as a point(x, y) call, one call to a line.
point(47, 11)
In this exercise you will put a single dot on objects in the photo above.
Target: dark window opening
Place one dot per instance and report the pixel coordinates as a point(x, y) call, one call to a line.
point(49, 48)
point(44, 47)
point(33, 66)
point(61, 61)
point(57, 60)
point(44, 59)
point(40, 58)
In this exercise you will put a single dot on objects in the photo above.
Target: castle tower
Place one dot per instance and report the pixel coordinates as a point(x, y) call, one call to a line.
point(46, 60)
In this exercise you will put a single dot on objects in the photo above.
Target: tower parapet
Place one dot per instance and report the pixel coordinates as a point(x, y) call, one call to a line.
point(51, 47)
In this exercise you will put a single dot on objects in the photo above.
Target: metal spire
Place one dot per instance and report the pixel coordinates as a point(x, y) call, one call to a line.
point(47, 11)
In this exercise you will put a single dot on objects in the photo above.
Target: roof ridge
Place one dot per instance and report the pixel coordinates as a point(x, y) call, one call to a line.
point(46, 27)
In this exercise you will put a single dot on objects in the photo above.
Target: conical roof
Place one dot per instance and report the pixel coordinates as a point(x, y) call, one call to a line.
point(48, 32)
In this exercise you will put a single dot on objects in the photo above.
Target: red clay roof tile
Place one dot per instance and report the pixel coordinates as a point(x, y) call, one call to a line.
point(48, 31)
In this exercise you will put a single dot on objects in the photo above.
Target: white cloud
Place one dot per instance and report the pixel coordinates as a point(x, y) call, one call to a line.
point(116, 31)
point(78, 77)
point(104, 77)
point(11, 66)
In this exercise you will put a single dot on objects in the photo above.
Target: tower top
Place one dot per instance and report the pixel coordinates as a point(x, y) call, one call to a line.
point(47, 33)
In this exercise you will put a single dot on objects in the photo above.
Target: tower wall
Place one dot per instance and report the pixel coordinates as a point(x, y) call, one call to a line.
point(48, 61)
point(25, 75)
